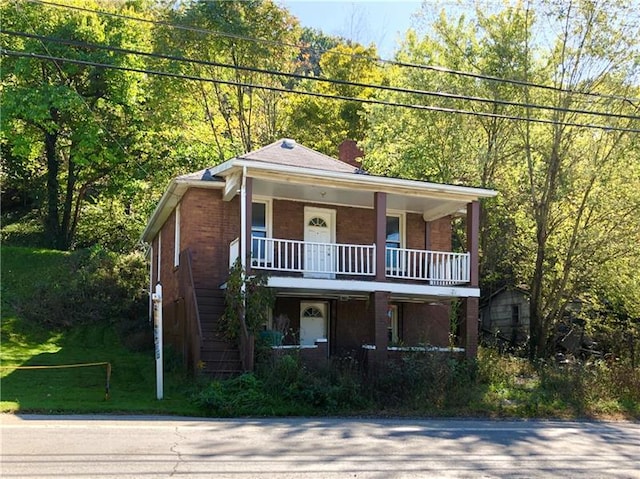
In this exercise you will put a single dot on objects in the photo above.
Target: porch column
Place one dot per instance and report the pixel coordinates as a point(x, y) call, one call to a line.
point(380, 208)
point(473, 228)
point(469, 326)
point(379, 301)
point(249, 222)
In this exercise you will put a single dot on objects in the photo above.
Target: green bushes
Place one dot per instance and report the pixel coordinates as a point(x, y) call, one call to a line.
point(423, 381)
point(282, 386)
point(429, 384)
point(92, 286)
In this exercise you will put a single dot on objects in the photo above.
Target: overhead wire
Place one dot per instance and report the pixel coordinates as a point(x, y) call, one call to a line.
point(322, 50)
point(438, 94)
point(314, 94)
point(92, 112)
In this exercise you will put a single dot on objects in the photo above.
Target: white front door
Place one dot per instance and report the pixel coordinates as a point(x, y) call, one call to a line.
point(319, 233)
point(313, 322)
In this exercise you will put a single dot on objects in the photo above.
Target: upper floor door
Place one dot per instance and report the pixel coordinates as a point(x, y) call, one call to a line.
point(319, 236)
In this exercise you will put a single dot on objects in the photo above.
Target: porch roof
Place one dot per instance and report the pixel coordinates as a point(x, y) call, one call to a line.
point(296, 171)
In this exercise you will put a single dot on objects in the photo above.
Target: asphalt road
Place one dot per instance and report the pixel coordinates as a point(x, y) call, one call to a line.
point(160, 447)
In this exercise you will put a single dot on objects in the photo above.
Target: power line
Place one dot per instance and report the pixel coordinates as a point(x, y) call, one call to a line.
point(450, 96)
point(438, 69)
point(314, 94)
point(90, 110)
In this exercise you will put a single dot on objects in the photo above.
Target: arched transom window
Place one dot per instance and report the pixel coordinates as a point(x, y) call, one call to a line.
point(312, 312)
point(318, 222)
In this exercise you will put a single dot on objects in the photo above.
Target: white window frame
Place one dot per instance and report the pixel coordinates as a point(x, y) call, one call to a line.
point(401, 226)
point(403, 234)
point(268, 218)
point(394, 324)
point(176, 242)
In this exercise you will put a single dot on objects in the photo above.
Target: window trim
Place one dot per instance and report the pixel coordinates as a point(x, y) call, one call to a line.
point(267, 213)
point(393, 326)
point(176, 238)
point(268, 206)
point(403, 233)
point(401, 215)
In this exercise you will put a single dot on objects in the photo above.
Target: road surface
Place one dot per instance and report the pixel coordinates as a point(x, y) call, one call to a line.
point(162, 447)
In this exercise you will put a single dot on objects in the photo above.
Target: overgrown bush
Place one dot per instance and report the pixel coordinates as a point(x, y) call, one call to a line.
point(99, 287)
point(247, 299)
point(432, 384)
point(422, 381)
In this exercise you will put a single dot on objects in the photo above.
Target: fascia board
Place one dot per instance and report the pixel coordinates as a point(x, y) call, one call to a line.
point(359, 286)
point(366, 182)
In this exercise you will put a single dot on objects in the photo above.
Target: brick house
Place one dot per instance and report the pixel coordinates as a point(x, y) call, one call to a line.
point(360, 264)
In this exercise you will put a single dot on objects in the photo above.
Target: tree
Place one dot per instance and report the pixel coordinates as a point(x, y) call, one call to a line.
point(566, 191)
point(323, 123)
point(245, 36)
point(79, 124)
point(569, 167)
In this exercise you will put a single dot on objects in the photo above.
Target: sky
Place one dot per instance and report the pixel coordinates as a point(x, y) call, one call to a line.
point(380, 22)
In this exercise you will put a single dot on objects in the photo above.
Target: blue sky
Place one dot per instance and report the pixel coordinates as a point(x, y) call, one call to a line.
point(379, 22)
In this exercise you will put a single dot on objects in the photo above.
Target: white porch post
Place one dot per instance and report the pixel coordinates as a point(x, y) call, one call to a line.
point(243, 219)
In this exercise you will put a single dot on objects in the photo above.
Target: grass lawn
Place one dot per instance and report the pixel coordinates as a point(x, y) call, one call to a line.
point(78, 390)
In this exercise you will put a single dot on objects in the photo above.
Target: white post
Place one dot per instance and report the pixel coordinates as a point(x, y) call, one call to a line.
point(243, 220)
point(157, 335)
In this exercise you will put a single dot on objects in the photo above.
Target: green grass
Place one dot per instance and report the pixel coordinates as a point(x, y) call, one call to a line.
point(78, 390)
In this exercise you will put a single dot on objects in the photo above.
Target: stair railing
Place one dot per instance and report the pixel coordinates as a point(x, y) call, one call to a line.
point(193, 328)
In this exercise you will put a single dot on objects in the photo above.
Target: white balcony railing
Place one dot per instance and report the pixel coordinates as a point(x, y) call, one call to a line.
point(309, 257)
point(438, 268)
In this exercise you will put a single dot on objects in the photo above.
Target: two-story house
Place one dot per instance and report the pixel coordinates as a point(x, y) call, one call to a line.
point(359, 263)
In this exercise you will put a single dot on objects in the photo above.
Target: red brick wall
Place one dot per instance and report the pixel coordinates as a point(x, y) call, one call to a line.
point(425, 324)
point(353, 327)
point(441, 234)
point(168, 273)
point(415, 231)
point(353, 225)
point(209, 224)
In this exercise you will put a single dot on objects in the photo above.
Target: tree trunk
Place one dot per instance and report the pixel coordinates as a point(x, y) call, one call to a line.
point(52, 226)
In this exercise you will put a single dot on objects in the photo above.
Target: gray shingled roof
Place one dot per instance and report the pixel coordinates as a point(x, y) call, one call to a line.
point(288, 152)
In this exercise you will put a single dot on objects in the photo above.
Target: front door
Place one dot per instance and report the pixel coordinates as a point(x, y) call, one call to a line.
point(319, 250)
point(313, 322)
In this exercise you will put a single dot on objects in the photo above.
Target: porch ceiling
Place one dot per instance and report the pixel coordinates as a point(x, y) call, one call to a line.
point(431, 208)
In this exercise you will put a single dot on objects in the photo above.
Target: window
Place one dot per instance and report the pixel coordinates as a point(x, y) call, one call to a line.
point(394, 240)
point(392, 325)
point(515, 314)
point(312, 312)
point(259, 229)
point(318, 222)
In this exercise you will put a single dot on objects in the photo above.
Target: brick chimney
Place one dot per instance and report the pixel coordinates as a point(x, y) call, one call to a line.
point(349, 152)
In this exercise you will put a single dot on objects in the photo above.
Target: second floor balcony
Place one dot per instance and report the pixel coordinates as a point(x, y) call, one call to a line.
point(354, 261)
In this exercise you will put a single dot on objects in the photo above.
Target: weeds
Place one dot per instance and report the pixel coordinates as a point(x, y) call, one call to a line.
point(430, 384)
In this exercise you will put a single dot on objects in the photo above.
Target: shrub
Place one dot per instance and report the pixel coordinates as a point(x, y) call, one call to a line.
point(99, 286)
point(422, 381)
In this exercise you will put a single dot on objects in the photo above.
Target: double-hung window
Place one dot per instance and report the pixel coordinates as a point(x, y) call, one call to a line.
point(259, 232)
point(394, 243)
